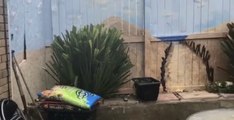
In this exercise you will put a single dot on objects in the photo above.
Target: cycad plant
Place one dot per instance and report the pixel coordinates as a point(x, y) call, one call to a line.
point(228, 48)
point(93, 58)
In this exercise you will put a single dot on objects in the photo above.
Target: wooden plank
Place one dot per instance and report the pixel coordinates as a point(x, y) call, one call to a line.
point(204, 15)
point(201, 65)
point(220, 59)
point(62, 16)
point(226, 10)
point(154, 51)
point(231, 5)
point(147, 55)
point(215, 6)
point(132, 39)
point(205, 36)
point(172, 17)
point(195, 69)
point(133, 58)
point(55, 17)
point(197, 16)
point(69, 14)
point(181, 64)
point(176, 66)
point(75, 12)
point(214, 49)
point(140, 60)
point(122, 14)
point(183, 16)
point(188, 66)
point(161, 46)
point(161, 19)
point(190, 15)
point(172, 80)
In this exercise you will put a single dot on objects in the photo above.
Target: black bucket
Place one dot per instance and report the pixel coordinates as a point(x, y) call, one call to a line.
point(147, 88)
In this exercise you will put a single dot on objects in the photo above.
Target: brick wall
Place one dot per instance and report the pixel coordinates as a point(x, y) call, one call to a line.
point(4, 52)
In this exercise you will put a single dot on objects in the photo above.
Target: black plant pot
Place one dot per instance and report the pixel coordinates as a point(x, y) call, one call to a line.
point(147, 88)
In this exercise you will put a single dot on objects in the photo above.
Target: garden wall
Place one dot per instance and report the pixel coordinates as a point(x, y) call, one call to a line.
point(4, 54)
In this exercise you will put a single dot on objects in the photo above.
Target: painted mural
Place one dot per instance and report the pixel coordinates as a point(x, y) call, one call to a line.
point(29, 20)
point(162, 18)
point(38, 20)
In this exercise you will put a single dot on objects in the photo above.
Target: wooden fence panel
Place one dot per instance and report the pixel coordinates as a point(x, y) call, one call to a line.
point(185, 70)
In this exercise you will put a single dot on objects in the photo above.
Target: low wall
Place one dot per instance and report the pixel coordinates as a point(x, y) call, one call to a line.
point(159, 111)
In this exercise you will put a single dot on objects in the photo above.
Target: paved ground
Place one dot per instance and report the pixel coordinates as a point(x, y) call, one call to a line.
point(169, 106)
point(163, 97)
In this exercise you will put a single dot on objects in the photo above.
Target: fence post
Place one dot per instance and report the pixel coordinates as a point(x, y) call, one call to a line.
point(147, 54)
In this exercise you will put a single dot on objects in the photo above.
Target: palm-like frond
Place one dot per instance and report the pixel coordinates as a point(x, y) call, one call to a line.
point(228, 48)
point(92, 58)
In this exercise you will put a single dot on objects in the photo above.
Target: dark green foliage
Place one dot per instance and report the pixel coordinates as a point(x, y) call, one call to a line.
point(220, 87)
point(92, 58)
point(228, 48)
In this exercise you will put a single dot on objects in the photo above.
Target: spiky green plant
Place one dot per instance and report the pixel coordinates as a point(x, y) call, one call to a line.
point(228, 48)
point(93, 58)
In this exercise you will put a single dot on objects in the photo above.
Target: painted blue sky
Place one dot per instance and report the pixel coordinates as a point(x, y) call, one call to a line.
point(40, 19)
point(162, 17)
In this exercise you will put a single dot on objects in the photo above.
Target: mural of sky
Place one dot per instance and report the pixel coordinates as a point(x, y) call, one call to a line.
point(38, 20)
point(184, 17)
point(161, 17)
point(82, 12)
point(29, 20)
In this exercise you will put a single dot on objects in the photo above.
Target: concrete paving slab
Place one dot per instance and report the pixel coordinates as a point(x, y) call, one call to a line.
point(199, 95)
point(225, 95)
point(160, 111)
point(167, 97)
point(119, 101)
